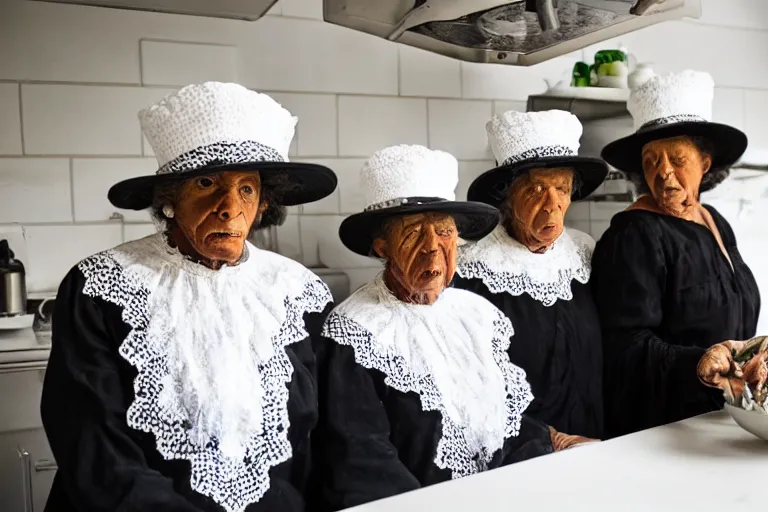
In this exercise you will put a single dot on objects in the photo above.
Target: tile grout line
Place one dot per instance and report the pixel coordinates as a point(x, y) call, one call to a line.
point(429, 138)
point(338, 126)
point(301, 239)
point(72, 186)
point(21, 121)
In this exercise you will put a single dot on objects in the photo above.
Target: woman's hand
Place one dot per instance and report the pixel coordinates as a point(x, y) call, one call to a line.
point(717, 368)
point(561, 441)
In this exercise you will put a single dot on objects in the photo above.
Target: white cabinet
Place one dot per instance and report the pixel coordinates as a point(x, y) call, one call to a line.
point(26, 470)
point(26, 463)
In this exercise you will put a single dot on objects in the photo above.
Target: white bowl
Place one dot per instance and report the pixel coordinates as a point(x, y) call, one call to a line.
point(615, 82)
point(753, 422)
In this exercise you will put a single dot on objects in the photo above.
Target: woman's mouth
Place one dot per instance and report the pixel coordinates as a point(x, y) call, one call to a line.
point(549, 228)
point(223, 235)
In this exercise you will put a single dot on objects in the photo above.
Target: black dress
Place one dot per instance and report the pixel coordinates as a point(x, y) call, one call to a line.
point(666, 293)
point(118, 444)
point(393, 412)
point(557, 337)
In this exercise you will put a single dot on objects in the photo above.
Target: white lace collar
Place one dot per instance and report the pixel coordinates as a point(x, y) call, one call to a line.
point(229, 328)
point(453, 353)
point(507, 266)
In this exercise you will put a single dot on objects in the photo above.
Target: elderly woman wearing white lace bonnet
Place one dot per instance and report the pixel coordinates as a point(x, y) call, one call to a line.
point(536, 270)
point(419, 388)
point(182, 374)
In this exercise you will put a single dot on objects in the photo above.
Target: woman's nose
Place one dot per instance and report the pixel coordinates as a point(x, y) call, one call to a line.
point(229, 206)
point(430, 242)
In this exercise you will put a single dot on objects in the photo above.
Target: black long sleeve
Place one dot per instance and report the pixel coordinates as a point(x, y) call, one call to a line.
point(360, 463)
point(83, 407)
point(665, 294)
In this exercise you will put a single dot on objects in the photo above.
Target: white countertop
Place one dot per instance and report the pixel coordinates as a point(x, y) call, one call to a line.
point(24, 347)
point(702, 464)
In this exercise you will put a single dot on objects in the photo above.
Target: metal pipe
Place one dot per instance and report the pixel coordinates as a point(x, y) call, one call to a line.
point(546, 10)
point(26, 479)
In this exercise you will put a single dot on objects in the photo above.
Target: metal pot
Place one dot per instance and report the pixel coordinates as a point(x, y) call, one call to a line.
point(13, 287)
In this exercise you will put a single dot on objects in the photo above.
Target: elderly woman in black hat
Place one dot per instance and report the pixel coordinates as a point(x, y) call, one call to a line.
point(537, 271)
point(182, 374)
point(667, 275)
point(419, 386)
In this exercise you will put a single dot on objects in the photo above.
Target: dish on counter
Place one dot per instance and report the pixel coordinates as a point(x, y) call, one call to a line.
point(8, 323)
point(754, 422)
point(747, 400)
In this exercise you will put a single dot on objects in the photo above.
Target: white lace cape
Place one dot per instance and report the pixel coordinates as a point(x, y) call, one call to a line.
point(127, 276)
point(507, 266)
point(453, 354)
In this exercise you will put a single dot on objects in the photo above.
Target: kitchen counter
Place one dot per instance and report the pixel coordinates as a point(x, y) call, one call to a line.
point(24, 349)
point(703, 463)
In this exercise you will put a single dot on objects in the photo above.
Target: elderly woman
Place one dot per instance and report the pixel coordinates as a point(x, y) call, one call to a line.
point(667, 276)
point(182, 374)
point(535, 270)
point(419, 386)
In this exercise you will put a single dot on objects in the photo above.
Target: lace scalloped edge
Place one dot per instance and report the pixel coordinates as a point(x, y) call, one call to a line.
point(518, 284)
point(233, 485)
point(452, 451)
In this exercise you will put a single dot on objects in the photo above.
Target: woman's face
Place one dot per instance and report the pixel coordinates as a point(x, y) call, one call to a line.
point(674, 169)
point(214, 213)
point(420, 250)
point(536, 207)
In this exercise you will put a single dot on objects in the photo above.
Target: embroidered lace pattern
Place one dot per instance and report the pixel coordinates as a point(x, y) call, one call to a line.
point(124, 277)
point(404, 373)
point(506, 266)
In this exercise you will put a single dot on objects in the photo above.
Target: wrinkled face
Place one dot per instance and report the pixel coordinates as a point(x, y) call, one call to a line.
point(420, 250)
point(213, 215)
point(674, 169)
point(536, 206)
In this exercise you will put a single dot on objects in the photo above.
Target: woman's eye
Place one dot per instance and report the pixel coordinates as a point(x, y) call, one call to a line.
point(247, 189)
point(205, 182)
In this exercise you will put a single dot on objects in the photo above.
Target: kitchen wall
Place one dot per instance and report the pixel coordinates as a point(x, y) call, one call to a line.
point(72, 79)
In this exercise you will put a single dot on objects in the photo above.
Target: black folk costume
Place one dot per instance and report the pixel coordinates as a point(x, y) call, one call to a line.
point(664, 289)
point(546, 296)
point(433, 394)
point(175, 387)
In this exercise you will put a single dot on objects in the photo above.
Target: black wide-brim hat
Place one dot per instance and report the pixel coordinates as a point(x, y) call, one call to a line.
point(214, 127)
point(491, 186)
point(297, 183)
point(728, 143)
point(473, 220)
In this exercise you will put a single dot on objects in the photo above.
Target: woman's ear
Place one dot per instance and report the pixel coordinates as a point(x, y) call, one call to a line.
point(706, 164)
point(263, 207)
point(380, 248)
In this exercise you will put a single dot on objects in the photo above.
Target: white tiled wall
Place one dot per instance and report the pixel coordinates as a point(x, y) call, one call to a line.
point(73, 78)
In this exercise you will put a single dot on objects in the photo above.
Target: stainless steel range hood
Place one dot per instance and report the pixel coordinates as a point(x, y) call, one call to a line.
point(248, 10)
point(519, 32)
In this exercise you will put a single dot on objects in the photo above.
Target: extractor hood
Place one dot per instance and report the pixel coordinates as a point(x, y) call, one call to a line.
point(248, 10)
point(520, 32)
point(517, 32)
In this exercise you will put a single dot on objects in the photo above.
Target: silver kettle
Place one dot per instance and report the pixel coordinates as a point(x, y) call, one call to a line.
point(13, 286)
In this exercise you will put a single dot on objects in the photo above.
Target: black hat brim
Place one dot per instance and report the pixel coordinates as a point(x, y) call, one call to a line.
point(473, 221)
point(491, 186)
point(626, 153)
point(306, 183)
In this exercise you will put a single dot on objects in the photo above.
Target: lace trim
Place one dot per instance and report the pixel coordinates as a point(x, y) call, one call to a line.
point(506, 266)
point(232, 484)
point(453, 452)
point(221, 153)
